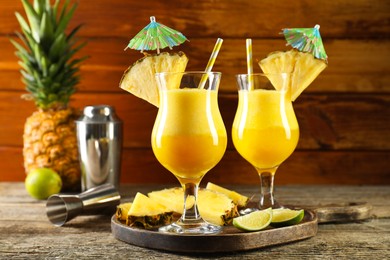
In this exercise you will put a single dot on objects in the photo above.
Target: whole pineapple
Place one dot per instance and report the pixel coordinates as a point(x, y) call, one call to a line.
point(50, 73)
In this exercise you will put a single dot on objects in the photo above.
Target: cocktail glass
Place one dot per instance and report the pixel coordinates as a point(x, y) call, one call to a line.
point(265, 130)
point(189, 138)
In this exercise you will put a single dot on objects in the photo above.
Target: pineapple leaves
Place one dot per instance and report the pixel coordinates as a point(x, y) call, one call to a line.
point(48, 68)
point(25, 67)
point(23, 24)
point(23, 39)
point(44, 64)
point(53, 69)
point(38, 52)
point(65, 18)
point(75, 62)
point(27, 76)
point(55, 9)
point(73, 32)
point(76, 49)
point(39, 6)
point(29, 39)
point(33, 19)
point(22, 51)
point(58, 47)
point(46, 31)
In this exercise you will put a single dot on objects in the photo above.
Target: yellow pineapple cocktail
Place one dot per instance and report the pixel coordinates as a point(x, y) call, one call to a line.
point(189, 137)
point(265, 130)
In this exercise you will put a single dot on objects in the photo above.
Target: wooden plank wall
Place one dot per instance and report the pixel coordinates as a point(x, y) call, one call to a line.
point(343, 116)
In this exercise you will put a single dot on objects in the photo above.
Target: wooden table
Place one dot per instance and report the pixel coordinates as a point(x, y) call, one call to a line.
point(25, 231)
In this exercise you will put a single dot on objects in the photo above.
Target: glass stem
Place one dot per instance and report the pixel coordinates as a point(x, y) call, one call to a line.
point(190, 215)
point(267, 188)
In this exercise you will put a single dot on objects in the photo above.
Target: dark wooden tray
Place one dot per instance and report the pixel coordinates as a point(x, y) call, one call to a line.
point(229, 240)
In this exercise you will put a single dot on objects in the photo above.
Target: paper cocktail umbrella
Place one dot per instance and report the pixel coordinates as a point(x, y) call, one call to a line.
point(306, 40)
point(156, 36)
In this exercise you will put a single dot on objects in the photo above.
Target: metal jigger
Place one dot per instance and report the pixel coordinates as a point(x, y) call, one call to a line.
point(99, 200)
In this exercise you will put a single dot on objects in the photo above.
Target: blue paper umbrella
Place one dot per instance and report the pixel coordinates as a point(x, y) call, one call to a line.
point(306, 40)
point(156, 36)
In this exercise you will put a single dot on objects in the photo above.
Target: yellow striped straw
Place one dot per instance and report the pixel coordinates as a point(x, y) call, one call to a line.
point(211, 62)
point(249, 63)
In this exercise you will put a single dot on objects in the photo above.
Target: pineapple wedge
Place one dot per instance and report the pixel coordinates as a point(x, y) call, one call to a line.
point(214, 207)
point(304, 69)
point(238, 199)
point(147, 213)
point(139, 79)
point(122, 211)
point(172, 198)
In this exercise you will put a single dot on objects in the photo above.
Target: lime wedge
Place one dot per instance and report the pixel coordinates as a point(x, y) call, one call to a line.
point(254, 221)
point(286, 217)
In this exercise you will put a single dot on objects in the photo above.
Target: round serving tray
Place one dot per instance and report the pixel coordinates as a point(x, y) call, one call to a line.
point(229, 240)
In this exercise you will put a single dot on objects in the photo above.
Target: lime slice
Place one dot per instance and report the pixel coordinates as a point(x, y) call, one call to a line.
point(254, 221)
point(286, 217)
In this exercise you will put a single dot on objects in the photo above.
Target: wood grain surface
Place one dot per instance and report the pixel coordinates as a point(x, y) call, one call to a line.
point(351, 67)
point(343, 116)
point(26, 233)
point(205, 18)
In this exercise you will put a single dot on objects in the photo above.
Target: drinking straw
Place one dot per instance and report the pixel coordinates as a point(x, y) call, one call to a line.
point(211, 62)
point(249, 63)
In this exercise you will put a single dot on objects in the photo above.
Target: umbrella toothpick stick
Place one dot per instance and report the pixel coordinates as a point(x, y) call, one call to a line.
point(211, 62)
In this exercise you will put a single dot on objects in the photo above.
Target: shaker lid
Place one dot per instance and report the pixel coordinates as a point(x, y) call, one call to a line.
point(99, 114)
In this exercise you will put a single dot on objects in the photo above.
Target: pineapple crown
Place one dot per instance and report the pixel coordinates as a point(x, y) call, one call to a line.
point(49, 70)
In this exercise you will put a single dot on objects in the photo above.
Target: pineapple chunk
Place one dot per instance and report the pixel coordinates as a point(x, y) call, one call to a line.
point(140, 80)
point(122, 211)
point(304, 69)
point(214, 207)
point(147, 213)
point(172, 198)
point(238, 199)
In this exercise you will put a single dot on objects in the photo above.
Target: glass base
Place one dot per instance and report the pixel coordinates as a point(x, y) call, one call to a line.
point(202, 228)
point(265, 204)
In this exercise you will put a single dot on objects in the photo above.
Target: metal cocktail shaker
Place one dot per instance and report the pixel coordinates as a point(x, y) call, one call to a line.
point(99, 135)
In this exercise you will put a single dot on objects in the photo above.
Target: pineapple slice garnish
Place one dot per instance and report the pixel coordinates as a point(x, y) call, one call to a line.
point(140, 80)
point(238, 199)
point(304, 69)
point(213, 206)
